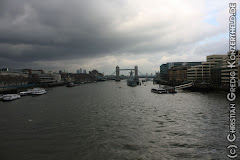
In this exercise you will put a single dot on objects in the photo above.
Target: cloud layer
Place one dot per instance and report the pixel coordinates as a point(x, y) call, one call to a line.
point(101, 34)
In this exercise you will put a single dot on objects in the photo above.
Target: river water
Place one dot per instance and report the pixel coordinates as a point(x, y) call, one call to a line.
point(110, 120)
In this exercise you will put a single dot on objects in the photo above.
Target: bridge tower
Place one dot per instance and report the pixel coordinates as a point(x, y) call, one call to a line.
point(117, 74)
point(136, 73)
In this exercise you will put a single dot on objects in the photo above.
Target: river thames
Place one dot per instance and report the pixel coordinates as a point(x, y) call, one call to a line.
point(112, 121)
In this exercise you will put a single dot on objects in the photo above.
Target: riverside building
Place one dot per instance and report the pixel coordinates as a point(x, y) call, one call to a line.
point(164, 68)
point(178, 74)
point(202, 73)
point(225, 77)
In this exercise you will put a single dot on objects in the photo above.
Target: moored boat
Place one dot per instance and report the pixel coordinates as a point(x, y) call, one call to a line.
point(130, 81)
point(24, 93)
point(38, 91)
point(10, 97)
point(159, 90)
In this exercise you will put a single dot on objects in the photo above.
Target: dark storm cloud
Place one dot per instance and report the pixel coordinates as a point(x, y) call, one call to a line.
point(53, 30)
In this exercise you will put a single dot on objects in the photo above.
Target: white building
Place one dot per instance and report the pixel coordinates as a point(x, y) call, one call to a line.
point(49, 78)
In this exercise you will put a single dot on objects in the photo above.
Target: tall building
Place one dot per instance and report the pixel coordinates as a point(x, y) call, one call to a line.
point(164, 71)
point(80, 70)
point(84, 71)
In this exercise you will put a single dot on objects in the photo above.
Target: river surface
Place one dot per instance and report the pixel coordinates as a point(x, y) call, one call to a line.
point(111, 121)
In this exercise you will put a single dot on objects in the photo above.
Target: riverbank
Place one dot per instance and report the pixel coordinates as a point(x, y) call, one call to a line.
point(197, 87)
point(19, 88)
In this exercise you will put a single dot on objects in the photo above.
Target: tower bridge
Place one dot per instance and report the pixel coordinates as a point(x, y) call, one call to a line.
point(135, 73)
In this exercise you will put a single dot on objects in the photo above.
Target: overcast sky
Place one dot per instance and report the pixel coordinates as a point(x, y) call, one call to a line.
point(100, 34)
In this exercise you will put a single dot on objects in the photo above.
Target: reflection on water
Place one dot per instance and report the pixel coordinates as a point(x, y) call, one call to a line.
point(110, 120)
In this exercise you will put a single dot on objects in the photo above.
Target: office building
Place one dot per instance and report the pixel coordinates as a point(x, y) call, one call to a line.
point(178, 73)
point(225, 77)
point(202, 73)
point(165, 67)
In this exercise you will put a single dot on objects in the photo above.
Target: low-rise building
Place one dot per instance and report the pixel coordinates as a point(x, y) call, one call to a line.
point(202, 73)
point(13, 77)
point(178, 73)
point(49, 78)
point(37, 72)
point(195, 74)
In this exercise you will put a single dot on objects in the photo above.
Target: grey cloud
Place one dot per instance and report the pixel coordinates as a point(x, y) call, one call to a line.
point(62, 30)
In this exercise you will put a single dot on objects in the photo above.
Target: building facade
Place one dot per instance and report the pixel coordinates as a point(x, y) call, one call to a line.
point(13, 77)
point(164, 72)
point(49, 78)
point(178, 73)
point(225, 77)
point(202, 73)
point(165, 67)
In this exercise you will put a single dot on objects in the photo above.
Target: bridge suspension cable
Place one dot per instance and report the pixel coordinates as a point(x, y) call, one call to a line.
point(141, 73)
point(113, 72)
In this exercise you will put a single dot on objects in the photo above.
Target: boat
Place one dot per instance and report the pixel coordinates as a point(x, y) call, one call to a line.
point(24, 93)
point(99, 79)
point(159, 90)
point(71, 84)
point(130, 81)
point(10, 97)
point(38, 91)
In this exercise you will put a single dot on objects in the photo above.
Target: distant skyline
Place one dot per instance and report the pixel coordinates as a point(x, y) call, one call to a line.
point(57, 34)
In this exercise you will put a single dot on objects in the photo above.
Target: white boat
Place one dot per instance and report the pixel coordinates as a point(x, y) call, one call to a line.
point(10, 97)
point(159, 90)
point(24, 93)
point(38, 91)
